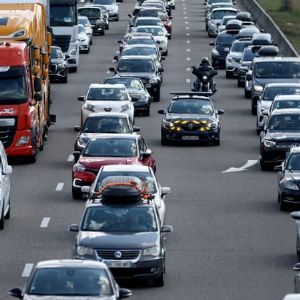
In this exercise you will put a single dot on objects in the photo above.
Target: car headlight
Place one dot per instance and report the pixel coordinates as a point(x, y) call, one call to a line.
point(73, 52)
point(229, 59)
point(269, 144)
point(291, 185)
point(124, 107)
point(82, 250)
point(167, 124)
point(144, 98)
point(152, 251)
point(82, 142)
point(212, 24)
point(153, 80)
point(60, 66)
point(244, 68)
point(79, 167)
point(89, 107)
point(258, 88)
point(212, 125)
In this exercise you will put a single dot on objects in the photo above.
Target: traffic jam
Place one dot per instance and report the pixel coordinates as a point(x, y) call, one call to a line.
point(123, 231)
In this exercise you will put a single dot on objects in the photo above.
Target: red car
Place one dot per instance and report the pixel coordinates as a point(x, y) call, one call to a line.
point(110, 149)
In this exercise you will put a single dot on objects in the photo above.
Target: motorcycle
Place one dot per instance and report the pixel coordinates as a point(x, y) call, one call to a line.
point(203, 82)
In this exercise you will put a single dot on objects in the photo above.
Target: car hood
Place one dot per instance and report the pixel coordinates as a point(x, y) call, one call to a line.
point(136, 74)
point(95, 239)
point(32, 297)
point(235, 54)
point(55, 61)
point(263, 82)
point(215, 21)
point(97, 162)
point(174, 117)
point(284, 136)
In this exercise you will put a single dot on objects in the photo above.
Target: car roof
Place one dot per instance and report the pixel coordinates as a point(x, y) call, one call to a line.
point(190, 97)
point(224, 8)
point(107, 85)
point(285, 111)
point(147, 18)
point(292, 297)
point(74, 263)
point(287, 97)
point(138, 168)
point(277, 59)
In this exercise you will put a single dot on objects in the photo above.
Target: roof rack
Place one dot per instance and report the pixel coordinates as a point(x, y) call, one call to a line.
point(189, 93)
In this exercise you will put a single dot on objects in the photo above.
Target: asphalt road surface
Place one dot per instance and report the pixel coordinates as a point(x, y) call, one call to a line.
point(229, 242)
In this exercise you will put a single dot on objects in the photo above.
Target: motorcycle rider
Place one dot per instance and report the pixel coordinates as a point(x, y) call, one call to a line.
point(204, 69)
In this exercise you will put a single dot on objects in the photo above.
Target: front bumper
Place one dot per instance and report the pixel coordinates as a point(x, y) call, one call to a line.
point(141, 106)
point(232, 67)
point(219, 59)
point(59, 74)
point(98, 29)
point(83, 46)
point(113, 16)
point(290, 196)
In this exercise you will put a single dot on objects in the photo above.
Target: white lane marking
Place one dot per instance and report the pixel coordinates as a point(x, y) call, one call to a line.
point(45, 222)
point(188, 80)
point(188, 69)
point(186, 22)
point(187, 28)
point(250, 163)
point(187, 34)
point(118, 52)
point(188, 50)
point(27, 270)
point(185, 17)
point(184, 12)
point(188, 58)
point(188, 41)
point(108, 72)
point(59, 186)
point(70, 158)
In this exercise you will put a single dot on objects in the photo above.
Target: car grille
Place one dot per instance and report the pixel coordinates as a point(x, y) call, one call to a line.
point(62, 41)
point(7, 134)
point(286, 145)
point(53, 69)
point(191, 125)
point(126, 254)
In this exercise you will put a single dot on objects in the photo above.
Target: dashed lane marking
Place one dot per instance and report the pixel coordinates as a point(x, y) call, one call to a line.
point(188, 41)
point(27, 270)
point(188, 58)
point(188, 69)
point(45, 222)
point(70, 158)
point(187, 34)
point(188, 50)
point(188, 80)
point(59, 187)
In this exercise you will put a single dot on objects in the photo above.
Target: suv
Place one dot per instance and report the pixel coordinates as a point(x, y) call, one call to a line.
point(281, 132)
point(124, 231)
point(93, 13)
point(58, 65)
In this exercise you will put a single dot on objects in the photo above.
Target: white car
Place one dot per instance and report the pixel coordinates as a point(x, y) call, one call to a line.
point(160, 35)
point(84, 40)
point(106, 98)
point(87, 27)
point(119, 173)
point(112, 8)
point(5, 171)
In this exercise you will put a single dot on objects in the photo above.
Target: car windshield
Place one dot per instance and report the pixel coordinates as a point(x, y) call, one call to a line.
point(83, 21)
point(249, 54)
point(288, 122)
point(140, 51)
point(136, 66)
point(219, 14)
point(131, 219)
point(294, 162)
point(107, 94)
point(111, 147)
point(104, 2)
point(148, 22)
point(283, 104)
point(56, 53)
point(90, 12)
point(141, 42)
point(239, 47)
point(277, 69)
point(155, 31)
point(225, 39)
point(202, 107)
point(67, 281)
point(271, 92)
point(105, 124)
point(122, 176)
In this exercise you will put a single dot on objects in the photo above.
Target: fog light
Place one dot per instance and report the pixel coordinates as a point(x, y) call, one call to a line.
point(153, 270)
point(23, 140)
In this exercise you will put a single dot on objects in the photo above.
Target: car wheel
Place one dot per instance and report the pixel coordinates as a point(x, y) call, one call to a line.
point(157, 96)
point(147, 112)
point(228, 75)
point(164, 140)
point(103, 32)
point(65, 79)
point(216, 142)
point(213, 63)
point(247, 94)
point(282, 205)
point(240, 83)
point(170, 37)
point(76, 193)
point(91, 42)
point(159, 281)
point(73, 69)
point(264, 166)
point(2, 219)
point(7, 216)
point(258, 131)
point(298, 248)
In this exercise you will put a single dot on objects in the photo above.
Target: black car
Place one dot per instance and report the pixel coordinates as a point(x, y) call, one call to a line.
point(190, 117)
point(137, 91)
point(123, 233)
point(143, 67)
point(94, 14)
point(58, 66)
point(289, 179)
point(281, 132)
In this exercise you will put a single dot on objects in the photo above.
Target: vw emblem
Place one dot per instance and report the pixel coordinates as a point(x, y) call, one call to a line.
point(118, 254)
point(191, 126)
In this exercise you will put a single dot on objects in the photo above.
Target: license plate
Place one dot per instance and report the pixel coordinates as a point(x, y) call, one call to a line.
point(226, 49)
point(190, 138)
point(118, 263)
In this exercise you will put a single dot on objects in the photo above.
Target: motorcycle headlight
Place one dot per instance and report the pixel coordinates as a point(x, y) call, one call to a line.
point(82, 250)
point(124, 107)
point(258, 88)
point(79, 168)
point(89, 107)
point(269, 144)
point(291, 185)
point(205, 78)
point(152, 251)
point(167, 124)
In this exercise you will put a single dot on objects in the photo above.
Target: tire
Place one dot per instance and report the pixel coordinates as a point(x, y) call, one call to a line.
point(264, 166)
point(65, 79)
point(228, 75)
point(88, 51)
point(240, 84)
point(2, 219)
point(282, 205)
point(73, 69)
point(216, 142)
point(103, 32)
point(253, 110)
point(247, 94)
point(163, 140)
point(157, 96)
point(213, 63)
point(76, 194)
point(258, 131)
point(147, 112)
point(91, 42)
point(166, 53)
point(7, 216)
point(159, 281)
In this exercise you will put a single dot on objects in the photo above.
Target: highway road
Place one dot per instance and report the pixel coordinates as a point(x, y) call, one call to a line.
point(230, 240)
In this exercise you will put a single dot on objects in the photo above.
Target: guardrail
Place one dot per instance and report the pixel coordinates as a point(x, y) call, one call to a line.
point(266, 22)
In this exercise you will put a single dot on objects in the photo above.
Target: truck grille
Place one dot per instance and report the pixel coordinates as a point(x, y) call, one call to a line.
point(110, 254)
point(62, 41)
point(7, 133)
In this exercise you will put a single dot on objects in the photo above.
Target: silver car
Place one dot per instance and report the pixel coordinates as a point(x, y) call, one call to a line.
point(71, 279)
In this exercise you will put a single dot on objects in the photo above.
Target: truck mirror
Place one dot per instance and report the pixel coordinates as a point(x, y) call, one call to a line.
point(38, 97)
point(37, 85)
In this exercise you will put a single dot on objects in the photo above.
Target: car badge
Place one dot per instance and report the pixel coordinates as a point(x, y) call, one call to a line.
point(118, 254)
point(191, 126)
point(107, 109)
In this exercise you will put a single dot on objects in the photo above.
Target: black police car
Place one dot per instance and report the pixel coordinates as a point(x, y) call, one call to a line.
point(58, 66)
point(190, 117)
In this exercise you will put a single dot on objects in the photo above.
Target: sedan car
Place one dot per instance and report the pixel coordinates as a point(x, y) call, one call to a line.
point(128, 237)
point(111, 6)
point(134, 39)
point(94, 14)
point(137, 91)
point(87, 27)
point(71, 279)
point(106, 98)
point(109, 149)
point(58, 66)
point(97, 123)
point(84, 40)
point(190, 117)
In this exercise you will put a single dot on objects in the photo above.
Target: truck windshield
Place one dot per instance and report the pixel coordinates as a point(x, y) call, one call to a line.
point(62, 15)
point(12, 85)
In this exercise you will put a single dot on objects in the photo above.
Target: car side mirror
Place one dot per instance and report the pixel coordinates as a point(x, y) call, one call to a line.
point(120, 42)
point(74, 228)
point(166, 228)
point(163, 58)
point(85, 189)
point(77, 128)
point(161, 111)
point(80, 98)
point(130, 15)
point(16, 292)
point(112, 69)
point(8, 170)
point(221, 111)
point(165, 190)
point(211, 44)
point(76, 155)
point(116, 58)
point(146, 153)
point(136, 129)
point(171, 17)
point(124, 293)
point(161, 70)
point(296, 267)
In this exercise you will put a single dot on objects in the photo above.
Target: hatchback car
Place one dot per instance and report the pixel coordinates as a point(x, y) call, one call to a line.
point(190, 117)
point(109, 149)
point(71, 279)
point(106, 98)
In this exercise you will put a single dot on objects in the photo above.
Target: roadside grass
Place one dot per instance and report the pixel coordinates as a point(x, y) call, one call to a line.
point(288, 21)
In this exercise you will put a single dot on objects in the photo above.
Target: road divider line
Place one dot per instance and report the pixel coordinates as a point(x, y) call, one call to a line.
point(59, 186)
point(188, 80)
point(107, 72)
point(188, 41)
point(185, 17)
point(187, 28)
point(70, 158)
point(27, 270)
point(186, 22)
point(45, 222)
point(188, 58)
point(187, 34)
point(184, 12)
point(188, 50)
point(250, 163)
point(188, 69)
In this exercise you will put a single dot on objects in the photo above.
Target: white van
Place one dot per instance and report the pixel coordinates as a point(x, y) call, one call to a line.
point(5, 171)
